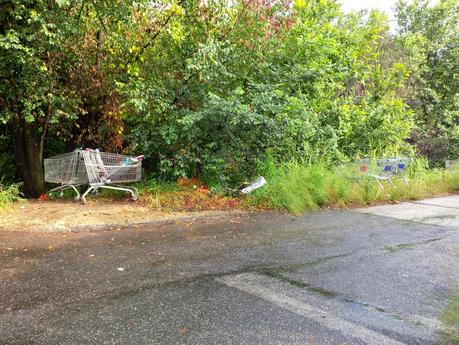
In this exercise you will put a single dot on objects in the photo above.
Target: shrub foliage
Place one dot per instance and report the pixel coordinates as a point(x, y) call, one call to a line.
point(209, 88)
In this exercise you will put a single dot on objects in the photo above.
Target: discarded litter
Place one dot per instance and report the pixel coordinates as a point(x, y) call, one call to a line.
point(120, 269)
point(258, 183)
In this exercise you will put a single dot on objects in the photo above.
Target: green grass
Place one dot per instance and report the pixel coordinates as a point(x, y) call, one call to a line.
point(150, 185)
point(297, 187)
point(294, 186)
point(450, 318)
point(153, 191)
point(9, 194)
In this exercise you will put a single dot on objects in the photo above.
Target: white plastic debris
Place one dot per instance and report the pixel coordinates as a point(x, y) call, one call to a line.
point(259, 182)
point(120, 269)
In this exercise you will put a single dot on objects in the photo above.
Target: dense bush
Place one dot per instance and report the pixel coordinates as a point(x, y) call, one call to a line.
point(209, 88)
point(314, 92)
point(429, 38)
point(8, 171)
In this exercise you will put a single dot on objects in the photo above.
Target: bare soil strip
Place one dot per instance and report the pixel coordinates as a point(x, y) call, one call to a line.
point(62, 216)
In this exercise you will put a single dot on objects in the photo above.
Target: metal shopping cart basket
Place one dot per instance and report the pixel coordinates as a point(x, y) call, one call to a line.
point(94, 168)
point(385, 169)
point(452, 166)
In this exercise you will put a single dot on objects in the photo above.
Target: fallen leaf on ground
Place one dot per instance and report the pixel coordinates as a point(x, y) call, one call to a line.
point(183, 330)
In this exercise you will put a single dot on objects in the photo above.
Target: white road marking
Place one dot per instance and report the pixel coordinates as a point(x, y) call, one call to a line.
point(250, 283)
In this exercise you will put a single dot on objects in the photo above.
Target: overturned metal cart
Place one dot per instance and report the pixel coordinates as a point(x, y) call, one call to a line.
point(94, 168)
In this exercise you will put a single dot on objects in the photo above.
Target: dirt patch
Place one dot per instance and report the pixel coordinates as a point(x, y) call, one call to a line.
point(198, 200)
point(63, 215)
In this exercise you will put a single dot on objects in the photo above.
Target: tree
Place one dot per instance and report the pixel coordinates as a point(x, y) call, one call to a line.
point(429, 36)
point(213, 96)
point(54, 83)
point(31, 95)
point(211, 87)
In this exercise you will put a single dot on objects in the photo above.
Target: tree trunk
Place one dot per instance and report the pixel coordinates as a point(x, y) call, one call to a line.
point(29, 159)
point(100, 37)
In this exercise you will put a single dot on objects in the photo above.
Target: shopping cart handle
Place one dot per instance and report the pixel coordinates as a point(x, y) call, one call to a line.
point(138, 158)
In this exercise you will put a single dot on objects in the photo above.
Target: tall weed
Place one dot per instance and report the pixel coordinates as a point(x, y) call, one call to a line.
point(9, 194)
point(298, 187)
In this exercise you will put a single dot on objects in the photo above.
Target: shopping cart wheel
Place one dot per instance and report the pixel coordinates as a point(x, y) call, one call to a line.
point(76, 198)
point(61, 194)
point(83, 200)
point(134, 197)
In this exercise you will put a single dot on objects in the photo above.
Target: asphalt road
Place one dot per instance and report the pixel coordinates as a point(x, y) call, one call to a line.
point(383, 275)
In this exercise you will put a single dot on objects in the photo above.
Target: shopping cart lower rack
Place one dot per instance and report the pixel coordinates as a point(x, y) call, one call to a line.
point(94, 168)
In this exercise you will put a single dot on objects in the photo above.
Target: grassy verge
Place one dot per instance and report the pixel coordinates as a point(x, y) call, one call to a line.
point(450, 318)
point(292, 186)
point(298, 187)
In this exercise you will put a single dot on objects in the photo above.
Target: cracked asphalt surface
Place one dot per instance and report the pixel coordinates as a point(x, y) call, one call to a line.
point(380, 275)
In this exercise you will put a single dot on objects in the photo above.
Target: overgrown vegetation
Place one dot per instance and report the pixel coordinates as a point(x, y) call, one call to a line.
point(296, 186)
point(429, 39)
point(215, 89)
point(8, 194)
point(450, 318)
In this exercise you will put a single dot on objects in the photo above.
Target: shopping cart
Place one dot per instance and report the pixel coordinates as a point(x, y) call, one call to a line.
point(94, 168)
point(385, 169)
point(452, 166)
point(68, 170)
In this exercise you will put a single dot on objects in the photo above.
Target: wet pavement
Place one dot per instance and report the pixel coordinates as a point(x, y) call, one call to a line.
point(382, 275)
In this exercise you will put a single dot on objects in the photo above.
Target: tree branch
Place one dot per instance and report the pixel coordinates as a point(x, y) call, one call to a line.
point(244, 6)
point(137, 56)
point(98, 17)
point(41, 143)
